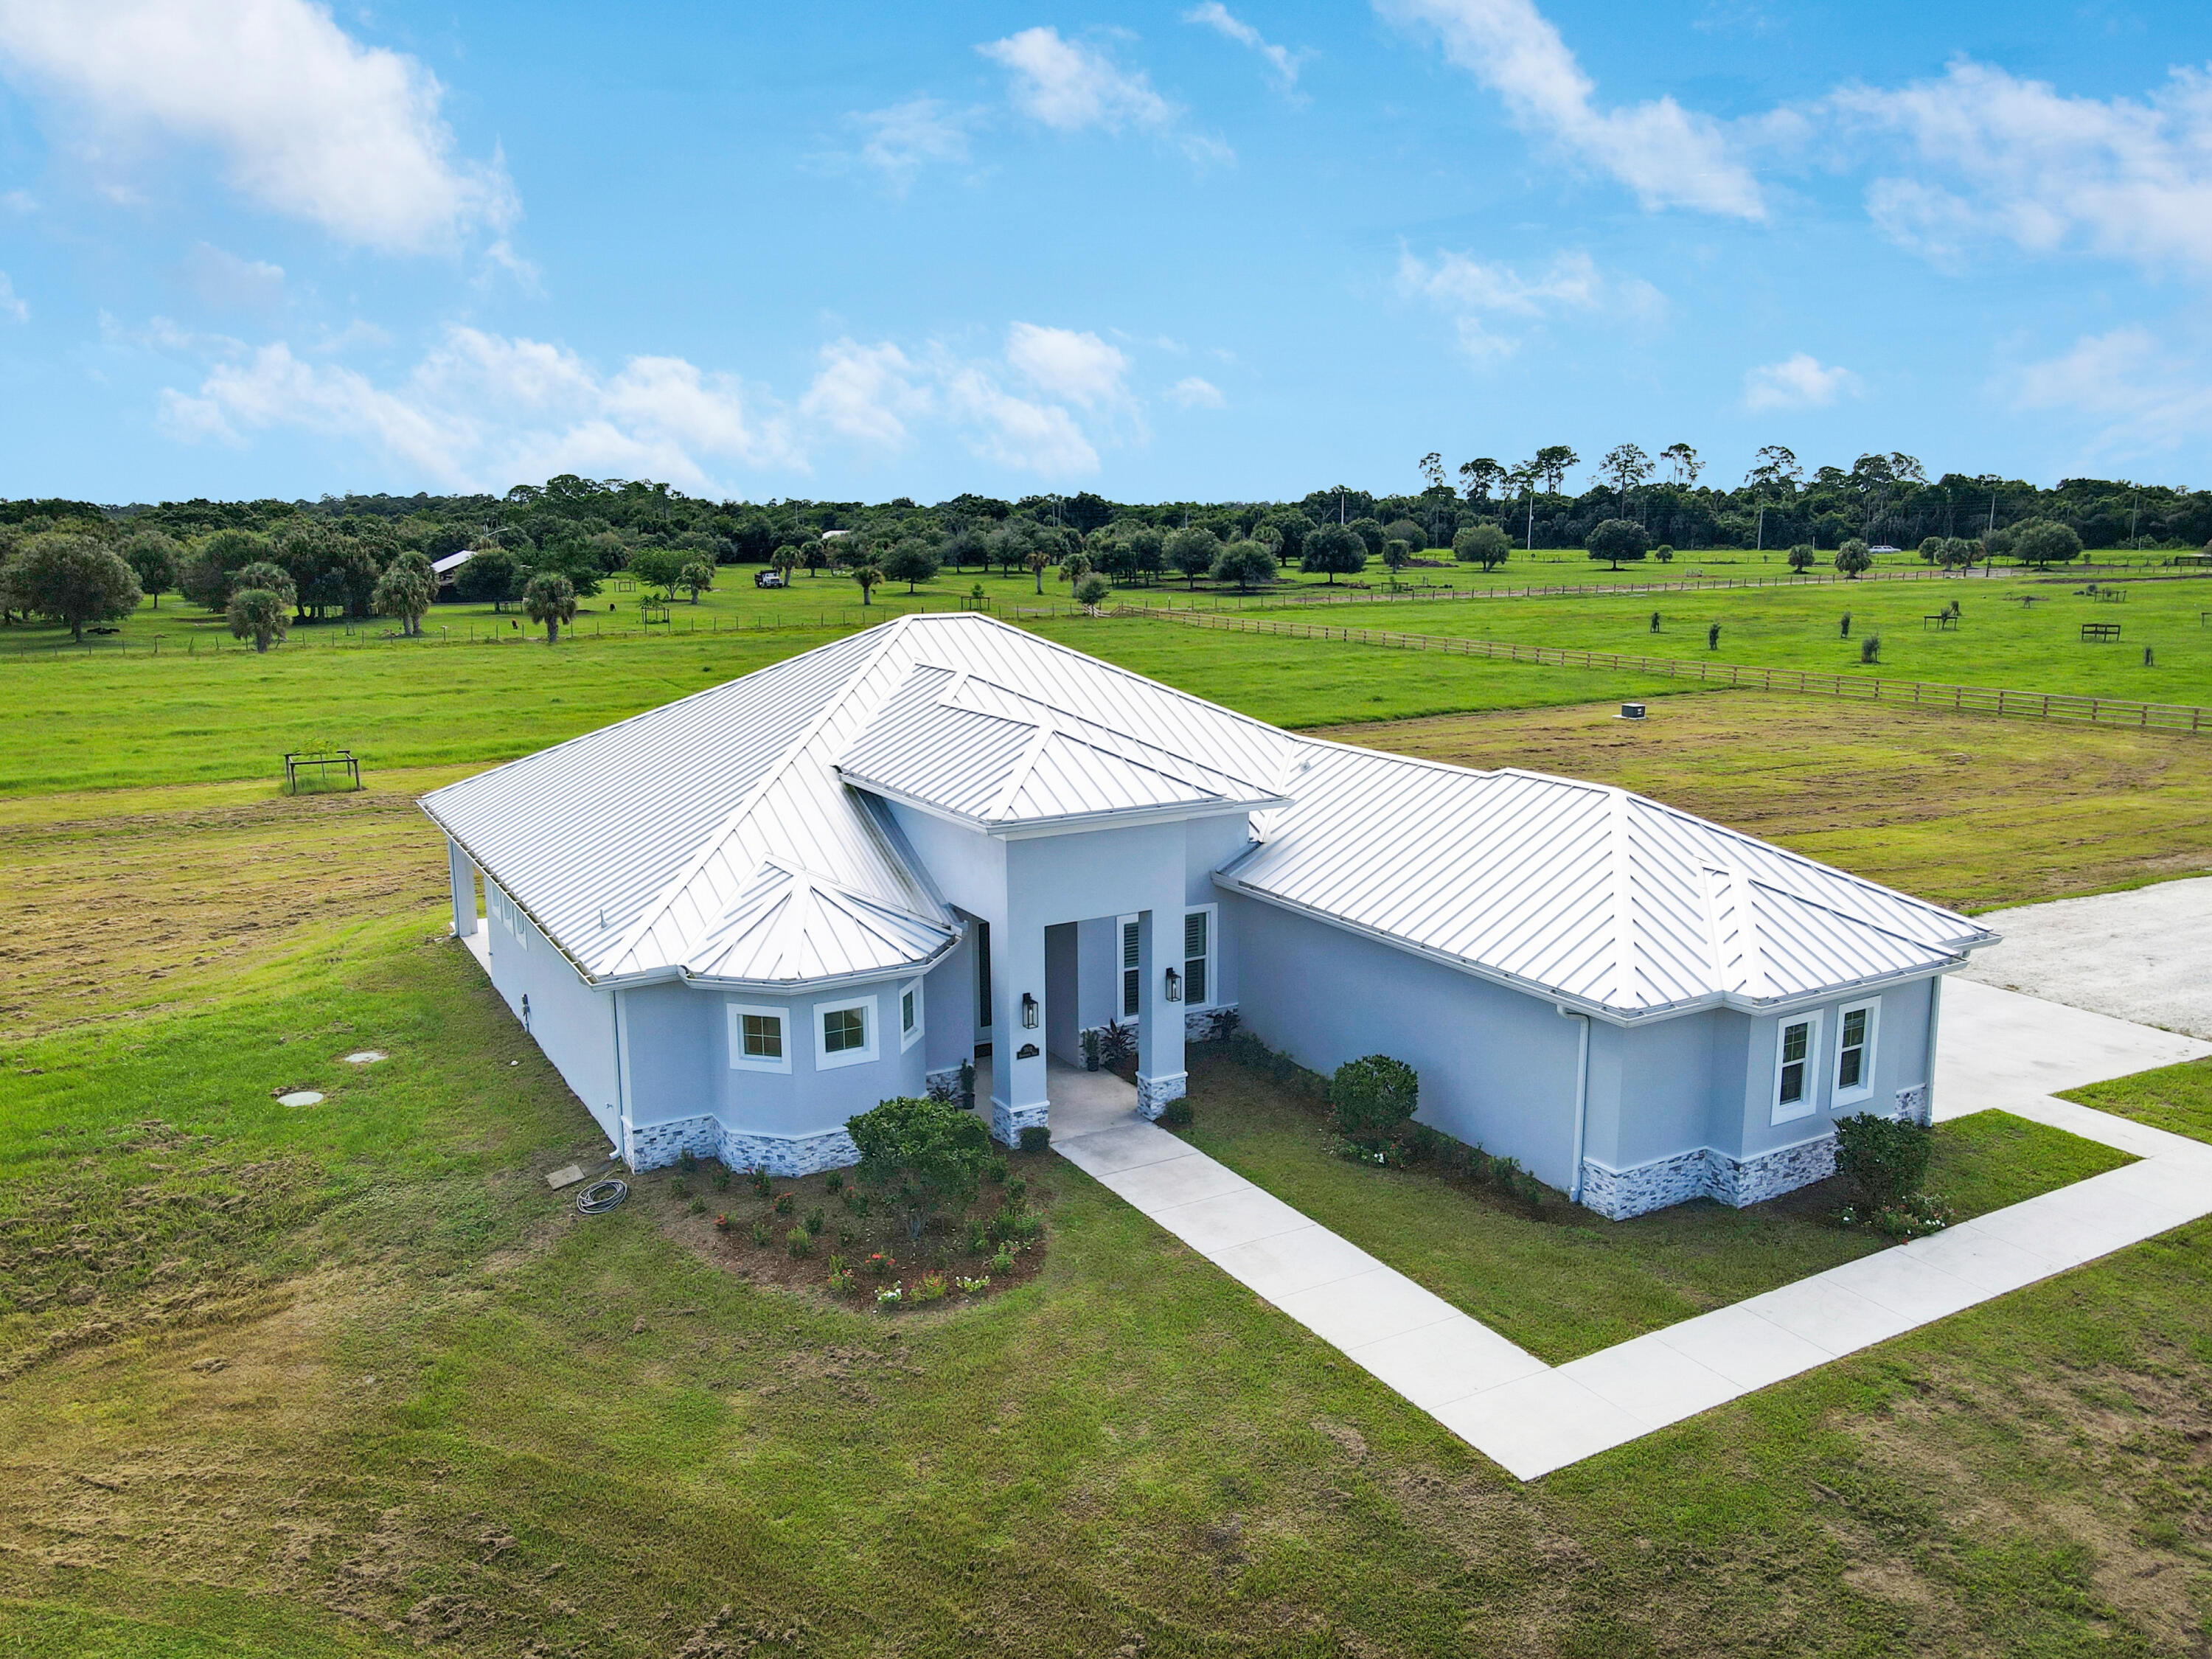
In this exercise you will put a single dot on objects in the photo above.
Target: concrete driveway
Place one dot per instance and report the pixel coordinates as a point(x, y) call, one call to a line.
point(2144, 956)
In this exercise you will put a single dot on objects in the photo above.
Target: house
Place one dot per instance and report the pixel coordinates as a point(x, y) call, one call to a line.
point(445, 570)
point(735, 921)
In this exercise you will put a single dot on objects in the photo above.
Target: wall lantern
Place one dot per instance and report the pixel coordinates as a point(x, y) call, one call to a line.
point(1028, 1012)
point(1174, 986)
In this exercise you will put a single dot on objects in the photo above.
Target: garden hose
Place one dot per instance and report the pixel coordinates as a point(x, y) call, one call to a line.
point(601, 1196)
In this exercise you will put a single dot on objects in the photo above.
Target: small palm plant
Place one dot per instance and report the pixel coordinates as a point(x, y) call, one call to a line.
point(550, 598)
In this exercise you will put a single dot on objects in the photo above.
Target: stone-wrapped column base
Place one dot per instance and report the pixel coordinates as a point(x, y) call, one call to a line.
point(1153, 1093)
point(1914, 1105)
point(1007, 1122)
point(1617, 1194)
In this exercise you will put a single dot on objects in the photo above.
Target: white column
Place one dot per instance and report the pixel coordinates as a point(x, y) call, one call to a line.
point(1160, 1074)
point(1018, 1100)
point(464, 889)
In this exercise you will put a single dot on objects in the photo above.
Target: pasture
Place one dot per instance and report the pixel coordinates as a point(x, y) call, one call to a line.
point(348, 1380)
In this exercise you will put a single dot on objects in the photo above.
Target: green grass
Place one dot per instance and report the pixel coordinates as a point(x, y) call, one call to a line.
point(2175, 1098)
point(1564, 1283)
point(1999, 643)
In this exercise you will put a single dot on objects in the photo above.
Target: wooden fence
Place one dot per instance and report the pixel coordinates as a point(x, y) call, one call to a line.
point(1920, 694)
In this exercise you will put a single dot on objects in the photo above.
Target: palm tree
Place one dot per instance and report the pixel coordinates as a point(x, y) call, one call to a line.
point(550, 598)
point(1038, 561)
point(867, 573)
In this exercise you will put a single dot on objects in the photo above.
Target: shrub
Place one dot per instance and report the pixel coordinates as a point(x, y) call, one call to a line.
point(979, 1235)
point(842, 1281)
point(1249, 1052)
point(799, 1241)
point(760, 1234)
point(1372, 1099)
point(929, 1288)
point(847, 1237)
point(759, 1178)
point(1177, 1114)
point(698, 1207)
point(816, 1220)
point(687, 1160)
point(857, 1202)
point(834, 1182)
point(878, 1264)
point(889, 1296)
point(721, 1223)
point(1003, 1260)
point(1093, 591)
point(721, 1181)
point(1885, 1160)
point(1117, 1044)
point(784, 1202)
point(995, 1170)
point(1018, 1194)
point(930, 1150)
point(1091, 1050)
point(1036, 1137)
point(1870, 648)
point(974, 1286)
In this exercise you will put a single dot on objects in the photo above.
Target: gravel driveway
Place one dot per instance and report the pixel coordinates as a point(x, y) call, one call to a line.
point(2144, 955)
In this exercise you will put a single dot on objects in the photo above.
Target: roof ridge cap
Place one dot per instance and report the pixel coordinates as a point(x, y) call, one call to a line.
point(650, 916)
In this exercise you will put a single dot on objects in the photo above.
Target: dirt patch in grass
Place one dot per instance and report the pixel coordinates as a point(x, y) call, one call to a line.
point(862, 1228)
point(1963, 810)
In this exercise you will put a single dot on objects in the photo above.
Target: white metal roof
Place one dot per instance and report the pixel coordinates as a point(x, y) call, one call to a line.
point(451, 560)
point(1600, 898)
point(729, 837)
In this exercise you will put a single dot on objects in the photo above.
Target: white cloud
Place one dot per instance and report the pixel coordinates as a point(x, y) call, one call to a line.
point(481, 410)
point(9, 305)
point(20, 201)
point(1191, 392)
point(310, 123)
point(2147, 394)
point(1798, 382)
point(1217, 17)
point(900, 140)
point(1669, 156)
point(1018, 432)
point(1072, 87)
point(1994, 157)
point(223, 281)
point(868, 393)
point(1061, 363)
point(1494, 305)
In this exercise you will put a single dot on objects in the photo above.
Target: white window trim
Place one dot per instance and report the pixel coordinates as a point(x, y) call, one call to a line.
point(1864, 1090)
point(826, 1061)
point(1813, 1072)
point(1212, 914)
point(742, 1061)
point(908, 1039)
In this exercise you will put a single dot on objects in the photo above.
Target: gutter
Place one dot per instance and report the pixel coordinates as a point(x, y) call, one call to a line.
point(1582, 1095)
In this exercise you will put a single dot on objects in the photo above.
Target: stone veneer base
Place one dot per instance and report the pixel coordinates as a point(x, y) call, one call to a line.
point(656, 1145)
point(1153, 1093)
point(1007, 1122)
point(1617, 1194)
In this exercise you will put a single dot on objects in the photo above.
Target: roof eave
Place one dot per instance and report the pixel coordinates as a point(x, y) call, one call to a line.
point(1065, 823)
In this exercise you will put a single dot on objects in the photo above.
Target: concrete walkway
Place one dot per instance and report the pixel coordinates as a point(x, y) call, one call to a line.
point(1999, 1050)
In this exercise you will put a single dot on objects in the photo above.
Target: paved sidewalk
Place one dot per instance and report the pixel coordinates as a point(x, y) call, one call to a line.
point(2002, 1050)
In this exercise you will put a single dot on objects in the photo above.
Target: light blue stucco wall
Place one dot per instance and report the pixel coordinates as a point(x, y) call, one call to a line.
point(573, 1024)
point(1900, 1061)
point(1498, 1068)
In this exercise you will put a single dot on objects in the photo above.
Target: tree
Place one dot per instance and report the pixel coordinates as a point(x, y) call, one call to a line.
point(784, 560)
point(1405, 531)
point(1959, 552)
point(1802, 557)
point(1775, 469)
point(1334, 550)
point(1852, 557)
point(1432, 469)
point(550, 598)
point(1093, 591)
point(405, 590)
point(1372, 1100)
point(1551, 464)
point(868, 573)
point(1682, 464)
point(910, 560)
point(205, 578)
point(1485, 544)
point(152, 558)
point(659, 566)
point(73, 579)
point(1370, 530)
point(1191, 551)
point(1931, 549)
point(1626, 467)
point(1396, 556)
point(1478, 477)
point(2044, 541)
point(488, 578)
point(260, 614)
point(1244, 563)
point(697, 578)
point(928, 1153)
point(269, 576)
point(1038, 561)
point(1616, 540)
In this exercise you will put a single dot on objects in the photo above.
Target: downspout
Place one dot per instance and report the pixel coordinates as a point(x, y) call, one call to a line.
point(1582, 1093)
point(621, 1083)
point(1935, 1006)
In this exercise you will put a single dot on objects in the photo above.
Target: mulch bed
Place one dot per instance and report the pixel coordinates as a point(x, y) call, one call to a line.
point(670, 1193)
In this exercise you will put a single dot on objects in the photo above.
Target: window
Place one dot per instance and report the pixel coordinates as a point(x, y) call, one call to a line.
point(1854, 1052)
point(758, 1042)
point(1133, 981)
point(1796, 1040)
point(848, 1033)
point(910, 1016)
point(1198, 956)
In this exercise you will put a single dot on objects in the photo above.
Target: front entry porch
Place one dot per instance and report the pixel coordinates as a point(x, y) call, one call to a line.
point(1080, 1102)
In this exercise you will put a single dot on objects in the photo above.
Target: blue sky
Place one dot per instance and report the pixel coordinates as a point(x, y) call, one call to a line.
point(1224, 250)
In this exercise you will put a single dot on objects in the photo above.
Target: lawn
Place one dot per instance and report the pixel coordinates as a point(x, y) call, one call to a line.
point(1998, 643)
point(350, 1380)
point(2175, 1098)
point(1561, 1281)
